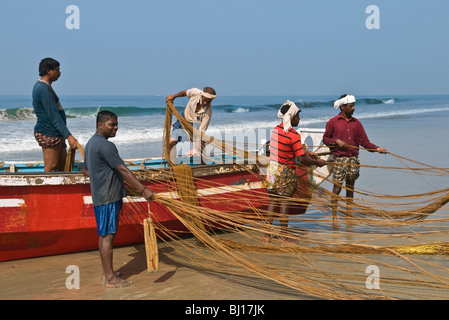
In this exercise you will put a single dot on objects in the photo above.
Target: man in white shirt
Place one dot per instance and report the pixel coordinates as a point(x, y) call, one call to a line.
point(197, 111)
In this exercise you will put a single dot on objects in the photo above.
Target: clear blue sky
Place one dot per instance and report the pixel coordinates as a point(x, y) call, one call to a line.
point(240, 47)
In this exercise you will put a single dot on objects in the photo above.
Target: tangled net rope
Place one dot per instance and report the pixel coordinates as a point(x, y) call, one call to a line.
point(403, 236)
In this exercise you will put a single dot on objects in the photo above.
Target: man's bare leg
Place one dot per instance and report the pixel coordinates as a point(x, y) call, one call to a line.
point(349, 196)
point(106, 256)
point(334, 203)
point(271, 211)
point(284, 220)
point(51, 159)
point(172, 145)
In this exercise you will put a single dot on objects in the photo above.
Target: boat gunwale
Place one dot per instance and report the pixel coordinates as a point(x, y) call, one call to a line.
point(76, 177)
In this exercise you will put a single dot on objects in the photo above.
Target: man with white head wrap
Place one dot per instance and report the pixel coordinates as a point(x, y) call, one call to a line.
point(198, 112)
point(344, 135)
point(285, 152)
point(344, 100)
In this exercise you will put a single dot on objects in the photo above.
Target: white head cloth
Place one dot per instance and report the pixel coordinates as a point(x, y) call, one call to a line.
point(208, 95)
point(342, 101)
point(289, 115)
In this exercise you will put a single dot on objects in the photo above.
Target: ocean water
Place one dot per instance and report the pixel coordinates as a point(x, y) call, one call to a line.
point(412, 127)
point(141, 118)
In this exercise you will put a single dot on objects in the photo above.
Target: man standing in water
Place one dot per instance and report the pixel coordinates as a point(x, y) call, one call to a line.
point(286, 151)
point(197, 111)
point(107, 173)
point(344, 135)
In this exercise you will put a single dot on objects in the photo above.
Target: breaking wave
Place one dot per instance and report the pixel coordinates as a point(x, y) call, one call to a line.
point(27, 113)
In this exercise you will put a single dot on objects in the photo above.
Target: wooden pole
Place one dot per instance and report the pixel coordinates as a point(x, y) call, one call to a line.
point(70, 159)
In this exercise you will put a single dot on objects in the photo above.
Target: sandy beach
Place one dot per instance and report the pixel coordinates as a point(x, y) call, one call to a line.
point(45, 279)
point(178, 278)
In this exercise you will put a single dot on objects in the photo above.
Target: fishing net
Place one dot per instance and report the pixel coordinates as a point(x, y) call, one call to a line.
point(389, 246)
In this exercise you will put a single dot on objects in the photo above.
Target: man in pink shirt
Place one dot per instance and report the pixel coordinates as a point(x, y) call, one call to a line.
point(344, 135)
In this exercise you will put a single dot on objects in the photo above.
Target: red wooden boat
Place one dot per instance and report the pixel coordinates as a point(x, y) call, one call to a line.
point(47, 214)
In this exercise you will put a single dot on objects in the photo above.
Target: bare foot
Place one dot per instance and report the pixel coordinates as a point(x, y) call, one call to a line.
point(267, 238)
point(335, 225)
point(288, 241)
point(117, 283)
point(116, 274)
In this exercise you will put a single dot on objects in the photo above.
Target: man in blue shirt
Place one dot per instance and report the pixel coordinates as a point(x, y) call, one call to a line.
point(50, 130)
point(107, 173)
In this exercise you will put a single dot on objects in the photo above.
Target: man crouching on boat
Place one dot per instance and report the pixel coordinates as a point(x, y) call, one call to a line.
point(107, 173)
point(285, 151)
point(198, 112)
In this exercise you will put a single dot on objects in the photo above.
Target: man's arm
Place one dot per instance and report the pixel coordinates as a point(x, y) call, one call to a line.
point(328, 138)
point(366, 143)
point(308, 161)
point(134, 183)
point(171, 98)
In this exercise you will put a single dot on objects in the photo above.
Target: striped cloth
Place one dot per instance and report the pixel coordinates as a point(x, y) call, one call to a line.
point(285, 147)
point(49, 142)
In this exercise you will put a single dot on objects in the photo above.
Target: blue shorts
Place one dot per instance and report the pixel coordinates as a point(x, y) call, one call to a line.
point(178, 132)
point(107, 217)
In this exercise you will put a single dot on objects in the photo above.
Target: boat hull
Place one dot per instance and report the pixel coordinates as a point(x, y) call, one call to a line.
point(44, 214)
